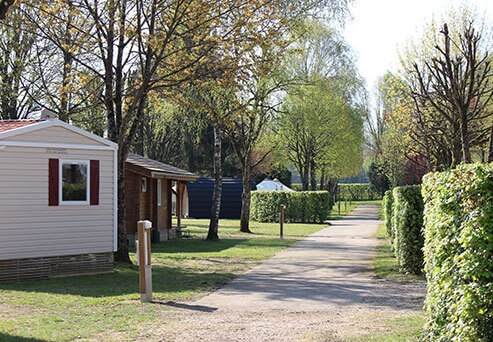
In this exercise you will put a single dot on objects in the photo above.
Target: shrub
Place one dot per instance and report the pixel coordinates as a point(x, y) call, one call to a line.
point(458, 253)
point(388, 199)
point(303, 206)
point(407, 228)
point(358, 192)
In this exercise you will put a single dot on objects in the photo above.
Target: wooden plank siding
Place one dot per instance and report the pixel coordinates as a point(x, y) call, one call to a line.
point(29, 228)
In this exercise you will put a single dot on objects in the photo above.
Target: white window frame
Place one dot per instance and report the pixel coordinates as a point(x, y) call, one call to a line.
point(143, 184)
point(60, 182)
point(159, 193)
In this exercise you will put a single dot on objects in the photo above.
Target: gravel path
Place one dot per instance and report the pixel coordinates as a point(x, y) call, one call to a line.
point(321, 289)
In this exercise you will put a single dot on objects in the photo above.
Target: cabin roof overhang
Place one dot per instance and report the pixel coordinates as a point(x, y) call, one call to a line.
point(13, 128)
point(154, 169)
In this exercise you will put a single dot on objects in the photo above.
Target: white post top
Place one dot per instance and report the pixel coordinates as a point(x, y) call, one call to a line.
point(147, 224)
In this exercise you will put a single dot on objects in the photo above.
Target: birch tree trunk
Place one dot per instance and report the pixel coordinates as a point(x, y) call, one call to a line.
point(218, 183)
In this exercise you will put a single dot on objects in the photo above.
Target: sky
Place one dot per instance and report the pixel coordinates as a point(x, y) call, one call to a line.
point(380, 28)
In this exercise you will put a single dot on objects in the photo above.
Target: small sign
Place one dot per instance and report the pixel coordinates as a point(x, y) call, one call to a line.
point(57, 150)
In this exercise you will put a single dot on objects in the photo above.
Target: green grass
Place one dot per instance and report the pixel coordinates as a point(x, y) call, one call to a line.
point(82, 307)
point(386, 266)
point(406, 328)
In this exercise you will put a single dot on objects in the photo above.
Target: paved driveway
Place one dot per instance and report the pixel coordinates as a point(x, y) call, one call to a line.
point(327, 268)
point(321, 289)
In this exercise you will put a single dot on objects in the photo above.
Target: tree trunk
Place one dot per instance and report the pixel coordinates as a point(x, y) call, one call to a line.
point(246, 196)
point(332, 186)
point(490, 148)
point(313, 176)
point(322, 180)
point(464, 135)
point(304, 178)
point(218, 183)
point(122, 253)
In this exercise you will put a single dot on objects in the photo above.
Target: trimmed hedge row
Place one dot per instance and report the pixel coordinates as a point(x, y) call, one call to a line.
point(459, 253)
point(351, 192)
point(388, 199)
point(303, 206)
point(407, 223)
point(358, 192)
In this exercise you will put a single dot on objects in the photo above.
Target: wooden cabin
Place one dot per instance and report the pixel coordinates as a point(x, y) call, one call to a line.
point(58, 200)
point(149, 188)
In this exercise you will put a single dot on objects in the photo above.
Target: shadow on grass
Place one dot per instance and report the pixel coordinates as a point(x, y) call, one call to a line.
point(182, 246)
point(201, 308)
point(125, 281)
point(9, 338)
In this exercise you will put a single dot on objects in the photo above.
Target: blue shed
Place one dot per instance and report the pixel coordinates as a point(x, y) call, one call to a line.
point(200, 197)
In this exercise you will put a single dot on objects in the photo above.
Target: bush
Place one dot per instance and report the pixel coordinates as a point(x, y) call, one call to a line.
point(407, 228)
point(303, 206)
point(458, 253)
point(388, 199)
point(358, 192)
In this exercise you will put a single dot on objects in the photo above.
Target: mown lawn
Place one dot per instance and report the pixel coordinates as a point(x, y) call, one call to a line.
point(82, 307)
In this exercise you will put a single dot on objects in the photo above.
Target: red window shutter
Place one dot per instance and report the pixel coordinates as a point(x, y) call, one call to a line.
point(94, 190)
point(53, 182)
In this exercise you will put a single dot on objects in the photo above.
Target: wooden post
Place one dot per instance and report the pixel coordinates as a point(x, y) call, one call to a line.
point(145, 271)
point(281, 221)
point(339, 206)
point(178, 204)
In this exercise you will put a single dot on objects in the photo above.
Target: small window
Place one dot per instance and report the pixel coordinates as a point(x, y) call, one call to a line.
point(74, 180)
point(144, 184)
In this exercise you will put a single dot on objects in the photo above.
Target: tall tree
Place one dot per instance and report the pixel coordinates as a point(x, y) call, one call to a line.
point(16, 53)
point(139, 47)
point(451, 88)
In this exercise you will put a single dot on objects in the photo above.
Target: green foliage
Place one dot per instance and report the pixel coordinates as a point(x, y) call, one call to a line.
point(388, 200)
point(303, 206)
point(459, 253)
point(358, 192)
point(407, 228)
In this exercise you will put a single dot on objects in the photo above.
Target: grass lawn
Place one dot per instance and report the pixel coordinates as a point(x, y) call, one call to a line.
point(386, 266)
point(82, 307)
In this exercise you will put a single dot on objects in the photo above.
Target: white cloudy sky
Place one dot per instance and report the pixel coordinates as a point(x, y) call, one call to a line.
point(380, 27)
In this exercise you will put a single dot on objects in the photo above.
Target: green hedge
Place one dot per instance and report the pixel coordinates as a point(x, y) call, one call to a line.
point(407, 228)
point(303, 206)
point(358, 192)
point(459, 253)
point(388, 199)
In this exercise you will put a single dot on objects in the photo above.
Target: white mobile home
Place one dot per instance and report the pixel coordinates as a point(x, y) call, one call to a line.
point(58, 200)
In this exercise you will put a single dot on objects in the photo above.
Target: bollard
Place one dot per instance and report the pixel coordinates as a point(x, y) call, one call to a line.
point(281, 221)
point(339, 206)
point(144, 250)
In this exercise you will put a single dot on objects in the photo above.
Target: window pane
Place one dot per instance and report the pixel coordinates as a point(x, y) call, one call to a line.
point(74, 182)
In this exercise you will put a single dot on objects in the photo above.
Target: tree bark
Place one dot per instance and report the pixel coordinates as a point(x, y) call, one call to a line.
point(246, 196)
point(218, 184)
point(490, 148)
point(121, 254)
point(304, 177)
point(313, 176)
point(464, 135)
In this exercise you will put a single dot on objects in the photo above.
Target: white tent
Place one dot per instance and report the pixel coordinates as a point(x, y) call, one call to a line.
point(272, 185)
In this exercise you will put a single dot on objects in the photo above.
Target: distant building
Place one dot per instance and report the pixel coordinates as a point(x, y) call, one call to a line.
point(272, 185)
point(200, 197)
